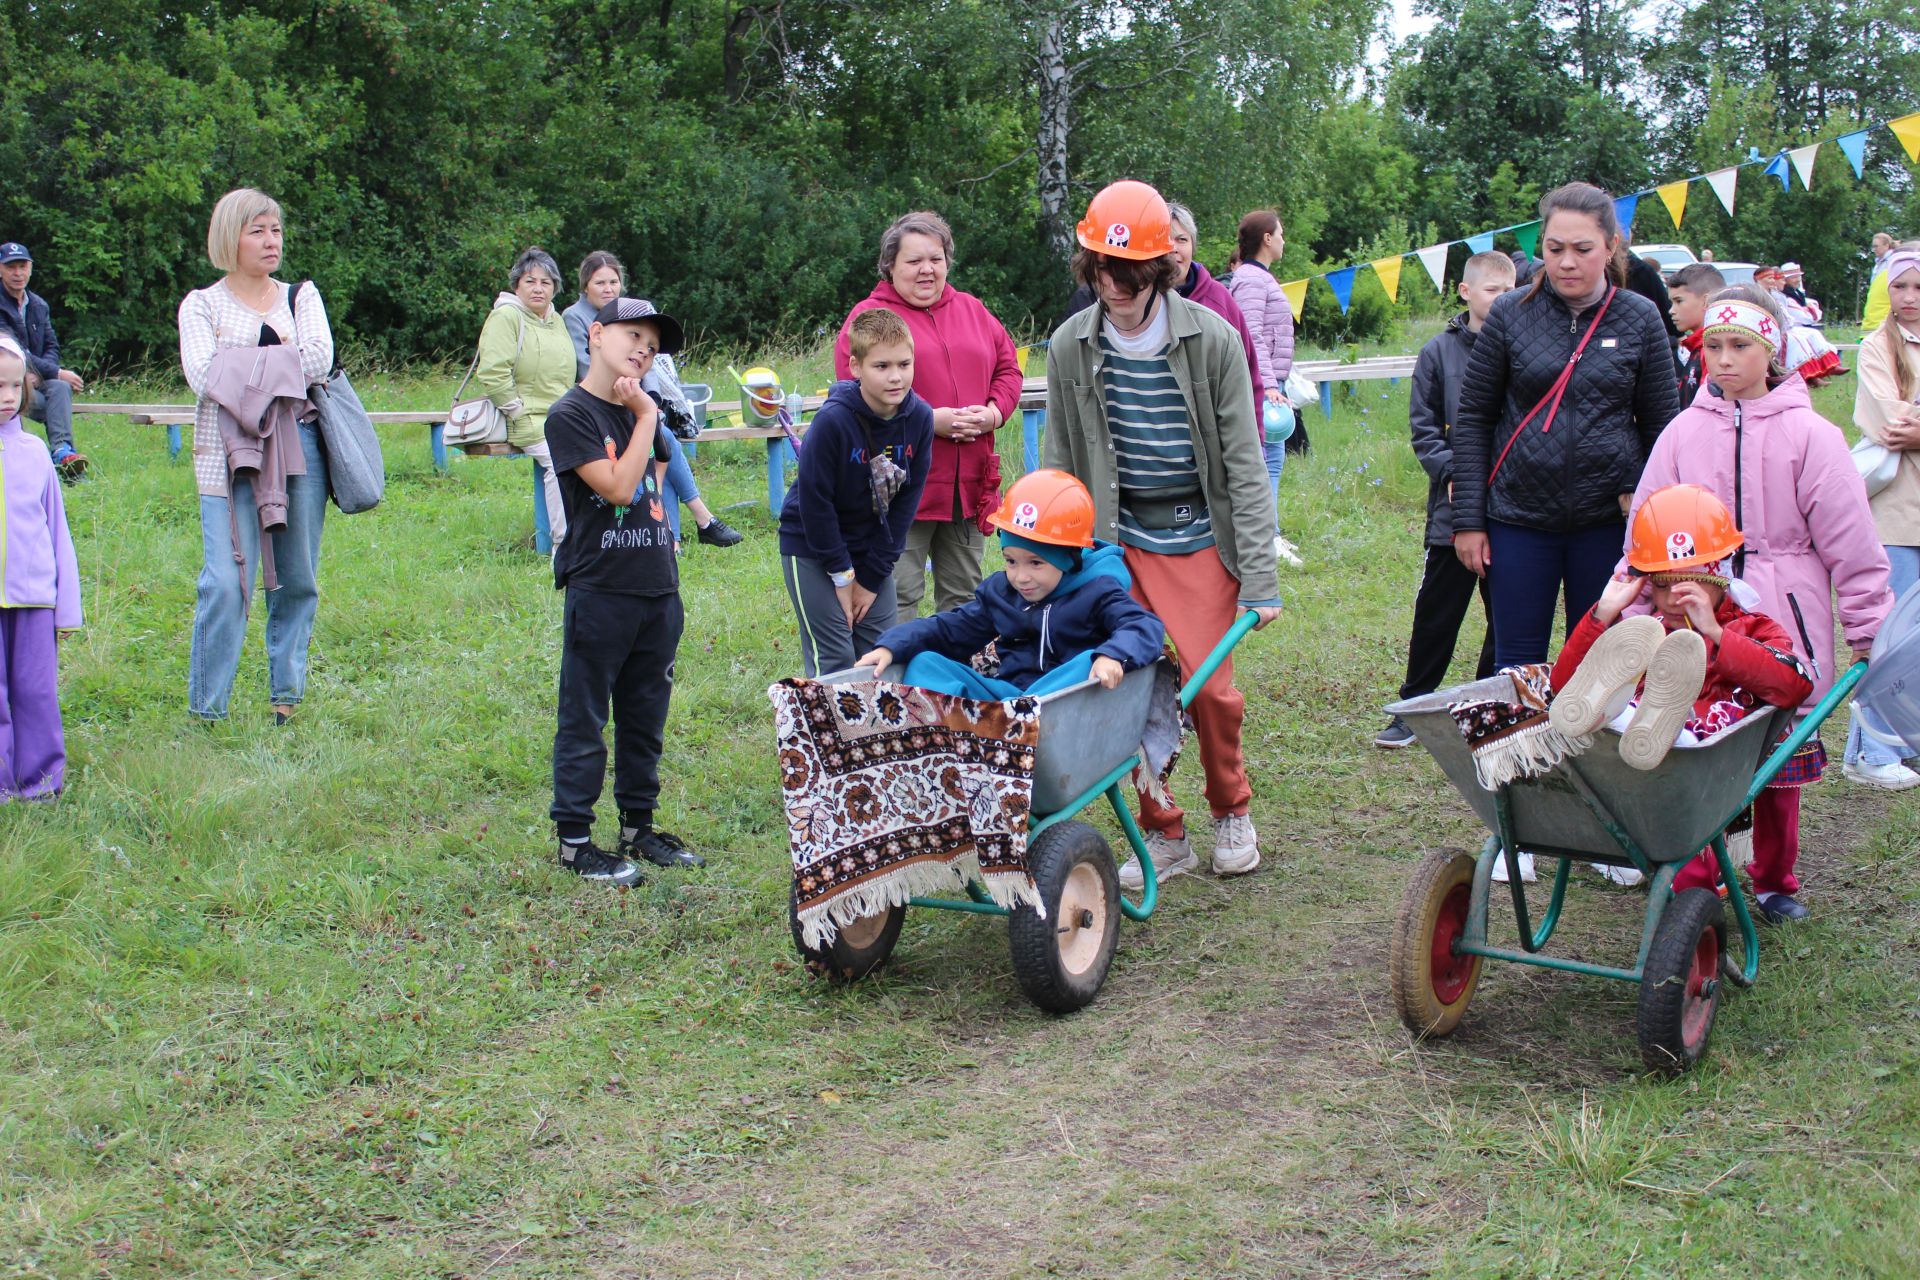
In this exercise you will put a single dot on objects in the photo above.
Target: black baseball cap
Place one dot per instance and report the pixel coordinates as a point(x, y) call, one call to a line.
point(672, 337)
point(14, 251)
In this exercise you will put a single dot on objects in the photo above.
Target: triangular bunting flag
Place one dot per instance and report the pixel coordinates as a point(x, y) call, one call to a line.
point(1341, 282)
point(1528, 234)
point(1296, 291)
point(1434, 259)
point(1907, 129)
point(1624, 208)
point(1674, 196)
point(1722, 180)
point(1777, 168)
point(1480, 243)
point(1854, 146)
point(1802, 158)
point(1388, 269)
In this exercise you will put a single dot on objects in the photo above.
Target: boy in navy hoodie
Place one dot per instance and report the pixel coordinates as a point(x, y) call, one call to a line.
point(862, 468)
point(1059, 614)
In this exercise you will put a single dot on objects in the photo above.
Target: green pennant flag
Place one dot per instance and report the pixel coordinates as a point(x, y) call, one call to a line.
point(1529, 238)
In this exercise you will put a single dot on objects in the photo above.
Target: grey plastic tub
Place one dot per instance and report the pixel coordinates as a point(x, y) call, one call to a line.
point(1086, 732)
point(1671, 812)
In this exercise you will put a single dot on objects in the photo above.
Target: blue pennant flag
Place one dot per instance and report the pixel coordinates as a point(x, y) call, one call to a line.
point(1341, 282)
point(1624, 208)
point(1854, 145)
point(1482, 243)
point(1777, 168)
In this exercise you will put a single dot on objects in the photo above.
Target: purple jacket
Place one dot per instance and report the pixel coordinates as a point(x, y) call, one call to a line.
point(1269, 320)
point(1798, 499)
point(38, 569)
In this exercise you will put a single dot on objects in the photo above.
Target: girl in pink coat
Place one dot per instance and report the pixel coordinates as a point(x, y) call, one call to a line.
point(1753, 438)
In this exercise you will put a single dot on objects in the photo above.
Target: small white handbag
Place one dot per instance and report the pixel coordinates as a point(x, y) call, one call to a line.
point(1877, 464)
point(481, 421)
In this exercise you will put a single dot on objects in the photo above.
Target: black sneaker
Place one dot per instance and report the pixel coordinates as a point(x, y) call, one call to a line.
point(1395, 735)
point(719, 533)
point(590, 862)
point(1782, 908)
point(662, 849)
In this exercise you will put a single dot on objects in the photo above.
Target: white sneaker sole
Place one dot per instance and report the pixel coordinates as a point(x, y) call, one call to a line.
point(1130, 877)
point(1235, 868)
point(1674, 677)
point(1852, 774)
point(1615, 663)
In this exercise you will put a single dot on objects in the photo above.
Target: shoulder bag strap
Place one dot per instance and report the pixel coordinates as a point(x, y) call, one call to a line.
point(473, 366)
point(1551, 401)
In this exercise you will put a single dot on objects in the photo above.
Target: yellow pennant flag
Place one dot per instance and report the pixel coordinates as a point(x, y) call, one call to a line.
point(1907, 129)
point(1296, 292)
point(1388, 269)
point(1674, 196)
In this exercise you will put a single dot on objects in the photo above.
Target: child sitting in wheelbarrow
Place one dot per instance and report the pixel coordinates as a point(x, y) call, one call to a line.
point(1698, 664)
point(1058, 615)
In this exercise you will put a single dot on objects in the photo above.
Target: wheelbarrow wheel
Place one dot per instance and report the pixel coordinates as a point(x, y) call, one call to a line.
point(857, 949)
point(1432, 983)
point(1680, 987)
point(1061, 959)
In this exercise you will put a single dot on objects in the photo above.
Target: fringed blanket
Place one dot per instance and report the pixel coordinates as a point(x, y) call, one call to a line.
point(892, 792)
point(1514, 739)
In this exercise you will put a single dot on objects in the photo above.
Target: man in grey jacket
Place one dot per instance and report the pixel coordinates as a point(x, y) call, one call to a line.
point(24, 314)
point(1150, 404)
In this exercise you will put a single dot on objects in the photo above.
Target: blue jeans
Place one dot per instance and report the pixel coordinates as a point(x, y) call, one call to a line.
point(942, 674)
point(1904, 566)
point(1532, 571)
point(1276, 451)
point(220, 608)
point(679, 486)
point(52, 404)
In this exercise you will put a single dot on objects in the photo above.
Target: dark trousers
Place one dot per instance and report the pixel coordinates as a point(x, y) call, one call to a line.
point(1532, 571)
point(617, 650)
point(1446, 589)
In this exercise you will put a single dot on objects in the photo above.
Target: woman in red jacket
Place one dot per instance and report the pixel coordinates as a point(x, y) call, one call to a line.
point(964, 366)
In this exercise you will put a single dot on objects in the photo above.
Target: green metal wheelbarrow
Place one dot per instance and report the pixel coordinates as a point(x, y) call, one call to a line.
point(1089, 744)
point(1595, 808)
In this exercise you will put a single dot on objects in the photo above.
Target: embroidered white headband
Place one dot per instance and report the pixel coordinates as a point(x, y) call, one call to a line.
point(1743, 317)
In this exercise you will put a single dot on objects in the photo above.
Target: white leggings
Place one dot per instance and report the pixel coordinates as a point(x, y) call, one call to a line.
point(550, 485)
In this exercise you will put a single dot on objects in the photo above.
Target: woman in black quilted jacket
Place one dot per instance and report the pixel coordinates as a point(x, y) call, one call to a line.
point(1570, 382)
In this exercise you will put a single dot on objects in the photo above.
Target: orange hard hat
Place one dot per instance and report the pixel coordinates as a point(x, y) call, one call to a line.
point(1681, 527)
point(1127, 220)
point(1047, 506)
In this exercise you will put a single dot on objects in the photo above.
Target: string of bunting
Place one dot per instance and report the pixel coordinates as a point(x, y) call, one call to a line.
point(1782, 165)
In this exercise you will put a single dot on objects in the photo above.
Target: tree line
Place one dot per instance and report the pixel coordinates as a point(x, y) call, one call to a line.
point(742, 158)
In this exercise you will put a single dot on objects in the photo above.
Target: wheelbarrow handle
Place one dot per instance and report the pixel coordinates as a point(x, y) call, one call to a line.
point(1204, 672)
point(1808, 726)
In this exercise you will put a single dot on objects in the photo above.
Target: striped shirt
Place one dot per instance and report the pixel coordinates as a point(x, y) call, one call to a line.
point(1152, 445)
point(213, 320)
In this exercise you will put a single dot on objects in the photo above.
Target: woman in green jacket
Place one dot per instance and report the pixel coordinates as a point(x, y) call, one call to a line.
point(526, 363)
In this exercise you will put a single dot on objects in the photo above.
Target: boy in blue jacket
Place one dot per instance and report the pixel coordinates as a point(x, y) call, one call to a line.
point(1059, 614)
point(845, 521)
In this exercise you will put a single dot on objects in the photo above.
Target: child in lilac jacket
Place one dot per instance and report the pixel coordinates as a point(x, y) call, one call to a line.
point(39, 599)
point(1753, 438)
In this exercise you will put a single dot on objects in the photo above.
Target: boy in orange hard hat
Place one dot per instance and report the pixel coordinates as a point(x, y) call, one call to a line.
point(1707, 661)
point(1150, 403)
point(1059, 614)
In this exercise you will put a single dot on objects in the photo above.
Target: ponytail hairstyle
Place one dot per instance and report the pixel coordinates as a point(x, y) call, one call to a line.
point(1585, 198)
point(1888, 335)
point(1754, 295)
point(1254, 230)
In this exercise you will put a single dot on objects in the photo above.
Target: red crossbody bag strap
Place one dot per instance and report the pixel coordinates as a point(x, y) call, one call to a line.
point(1551, 401)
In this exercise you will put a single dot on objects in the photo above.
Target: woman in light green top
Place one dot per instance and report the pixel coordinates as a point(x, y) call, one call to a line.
point(526, 363)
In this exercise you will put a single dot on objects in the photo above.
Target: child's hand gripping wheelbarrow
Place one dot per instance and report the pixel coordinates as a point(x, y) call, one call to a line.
point(1087, 748)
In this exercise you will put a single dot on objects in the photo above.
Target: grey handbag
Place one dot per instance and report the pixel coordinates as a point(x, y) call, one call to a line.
point(356, 473)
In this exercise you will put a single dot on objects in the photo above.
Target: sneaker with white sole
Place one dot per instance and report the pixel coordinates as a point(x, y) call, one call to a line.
point(1606, 677)
point(1887, 777)
point(1625, 877)
point(1171, 857)
point(1236, 850)
point(1527, 875)
point(1288, 552)
point(1674, 677)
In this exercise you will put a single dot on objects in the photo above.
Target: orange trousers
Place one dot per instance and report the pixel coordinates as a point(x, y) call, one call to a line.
point(1198, 600)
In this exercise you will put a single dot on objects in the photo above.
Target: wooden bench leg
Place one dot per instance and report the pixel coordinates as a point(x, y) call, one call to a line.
point(1326, 399)
point(1033, 423)
point(173, 440)
point(777, 454)
point(542, 528)
point(437, 437)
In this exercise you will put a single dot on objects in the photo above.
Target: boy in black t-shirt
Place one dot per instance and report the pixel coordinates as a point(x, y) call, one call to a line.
point(623, 612)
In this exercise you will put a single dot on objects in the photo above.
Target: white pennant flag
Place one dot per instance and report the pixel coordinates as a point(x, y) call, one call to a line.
point(1802, 158)
point(1722, 183)
point(1434, 259)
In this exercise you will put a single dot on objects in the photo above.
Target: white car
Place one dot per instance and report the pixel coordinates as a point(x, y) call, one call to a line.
point(1670, 257)
point(1736, 272)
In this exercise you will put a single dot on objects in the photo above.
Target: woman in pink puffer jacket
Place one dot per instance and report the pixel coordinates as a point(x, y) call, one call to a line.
point(1753, 438)
point(1270, 322)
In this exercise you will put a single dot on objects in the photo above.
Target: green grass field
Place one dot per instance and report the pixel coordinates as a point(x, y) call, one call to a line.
point(315, 1002)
